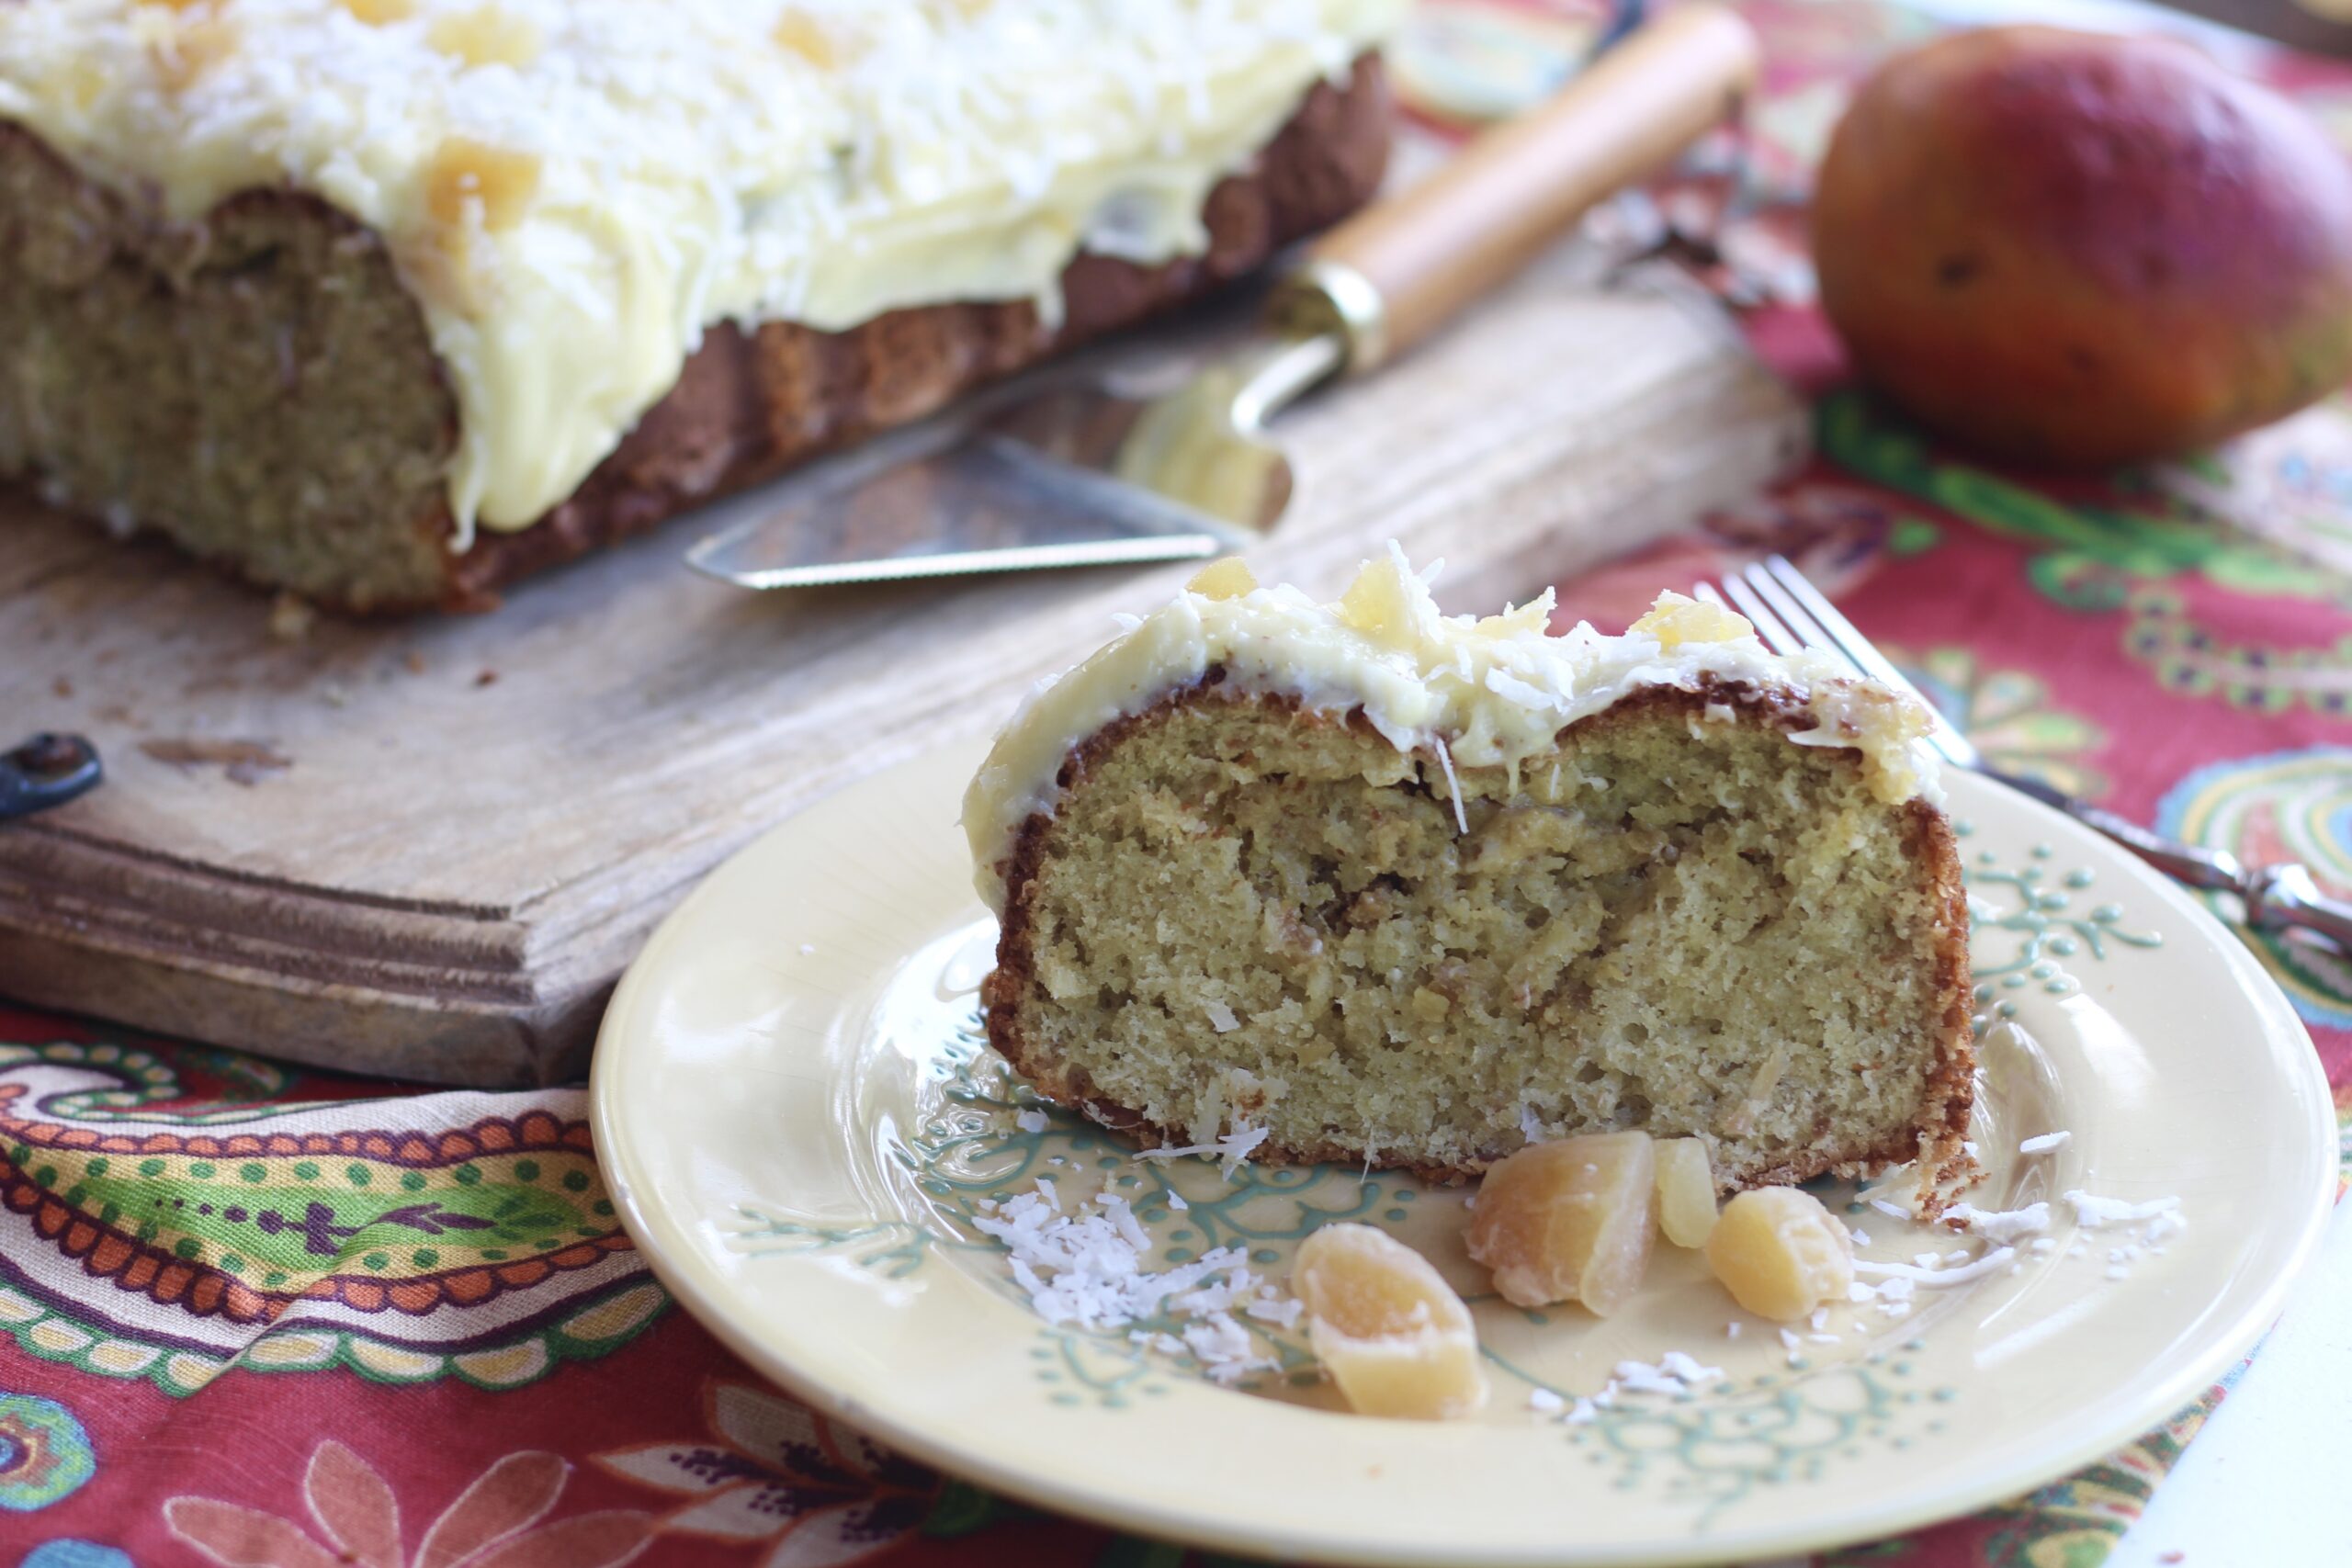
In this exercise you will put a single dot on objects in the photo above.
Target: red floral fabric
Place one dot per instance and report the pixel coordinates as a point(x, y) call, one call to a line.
point(252, 1314)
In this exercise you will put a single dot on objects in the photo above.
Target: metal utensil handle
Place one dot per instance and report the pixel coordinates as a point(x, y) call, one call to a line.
point(2210, 869)
point(2278, 897)
point(1393, 274)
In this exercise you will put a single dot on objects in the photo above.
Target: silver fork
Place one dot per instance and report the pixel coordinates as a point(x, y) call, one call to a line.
point(1790, 614)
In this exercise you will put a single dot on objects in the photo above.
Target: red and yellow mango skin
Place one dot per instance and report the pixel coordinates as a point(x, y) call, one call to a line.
point(2072, 251)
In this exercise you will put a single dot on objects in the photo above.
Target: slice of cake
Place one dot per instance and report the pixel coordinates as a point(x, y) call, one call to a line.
point(1364, 883)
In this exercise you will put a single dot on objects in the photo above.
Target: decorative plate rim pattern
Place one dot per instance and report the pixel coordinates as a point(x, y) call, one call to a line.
point(722, 972)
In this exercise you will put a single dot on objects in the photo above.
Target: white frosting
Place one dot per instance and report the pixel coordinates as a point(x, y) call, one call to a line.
point(575, 189)
point(1467, 692)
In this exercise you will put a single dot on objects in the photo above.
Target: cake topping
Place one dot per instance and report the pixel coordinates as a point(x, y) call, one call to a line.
point(692, 162)
point(1568, 1220)
point(1686, 1192)
point(1781, 1254)
point(1391, 1332)
point(1466, 691)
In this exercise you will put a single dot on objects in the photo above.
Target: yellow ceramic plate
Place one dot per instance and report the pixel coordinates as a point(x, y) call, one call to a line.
point(797, 1120)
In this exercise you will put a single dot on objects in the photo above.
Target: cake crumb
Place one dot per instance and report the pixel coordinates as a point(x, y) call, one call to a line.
point(290, 617)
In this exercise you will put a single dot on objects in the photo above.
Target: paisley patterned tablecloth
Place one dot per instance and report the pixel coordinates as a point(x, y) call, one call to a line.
point(251, 1315)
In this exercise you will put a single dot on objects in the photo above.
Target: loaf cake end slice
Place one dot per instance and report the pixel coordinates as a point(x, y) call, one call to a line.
point(1361, 882)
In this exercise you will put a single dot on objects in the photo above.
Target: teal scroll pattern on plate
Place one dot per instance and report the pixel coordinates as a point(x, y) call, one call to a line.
point(977, 1137)
point(2030, 919)
point(1713, 1447)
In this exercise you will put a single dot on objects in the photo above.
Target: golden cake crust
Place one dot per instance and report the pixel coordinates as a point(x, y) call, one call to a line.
point(1934, 1138)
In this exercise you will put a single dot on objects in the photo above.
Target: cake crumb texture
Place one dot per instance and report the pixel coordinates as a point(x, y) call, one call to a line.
point(1245, 911)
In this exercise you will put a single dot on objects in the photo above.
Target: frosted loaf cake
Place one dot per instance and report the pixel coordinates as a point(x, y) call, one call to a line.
point(389, 301)
point(1361, 881)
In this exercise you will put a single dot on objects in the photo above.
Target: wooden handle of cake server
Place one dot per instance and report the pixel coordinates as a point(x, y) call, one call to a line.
point(1395, 273)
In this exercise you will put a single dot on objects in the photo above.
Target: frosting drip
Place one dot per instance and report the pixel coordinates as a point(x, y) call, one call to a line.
point(1471, 693)
point(576, 190)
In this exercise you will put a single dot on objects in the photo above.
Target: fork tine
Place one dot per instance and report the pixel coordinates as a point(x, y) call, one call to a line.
point(1808, 632)
point(1777, 637)
point(1821, 624)
point(1841, 632)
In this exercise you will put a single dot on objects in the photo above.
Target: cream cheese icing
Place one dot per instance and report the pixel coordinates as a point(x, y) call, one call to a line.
point(576, 190)
point(1472, 692)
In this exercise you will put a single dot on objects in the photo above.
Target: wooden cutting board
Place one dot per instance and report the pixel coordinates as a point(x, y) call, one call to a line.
point(428, 849)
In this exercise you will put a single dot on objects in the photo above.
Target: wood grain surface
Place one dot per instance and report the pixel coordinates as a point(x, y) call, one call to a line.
point(428, 849)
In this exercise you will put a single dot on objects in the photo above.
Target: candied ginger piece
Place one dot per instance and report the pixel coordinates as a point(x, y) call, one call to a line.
point(487, 36)
point(1781, 1254)
point(1396, 1339)
point(1568, 1220)
point(802, 34)
point(1686, 1192)
point(1387, 603)
point(465, 175)
point(1675, 620)
point(1228, 579)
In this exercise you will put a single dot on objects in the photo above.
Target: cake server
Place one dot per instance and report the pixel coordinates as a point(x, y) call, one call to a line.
point(1057, 472)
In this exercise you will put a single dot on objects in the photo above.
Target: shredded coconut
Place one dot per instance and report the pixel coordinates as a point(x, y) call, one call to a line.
point(1937, 1277)
point(1087, 1268)
point(1511, 688)
point(1233, 1148)
point(2094, 1213)
point(2000, 1225)
point(1029, 1121)
point(1452, 784)
point(1281, 1313)
point(2045, 1143)
point(1545, 1401)
point(1677, 1375)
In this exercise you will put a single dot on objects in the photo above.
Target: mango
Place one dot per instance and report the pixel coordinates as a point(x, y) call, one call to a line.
point(2073, 251)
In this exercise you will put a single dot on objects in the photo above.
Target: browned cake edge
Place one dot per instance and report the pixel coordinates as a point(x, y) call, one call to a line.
point(1935, 1139)
point(749, 405)
point(748, 408)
